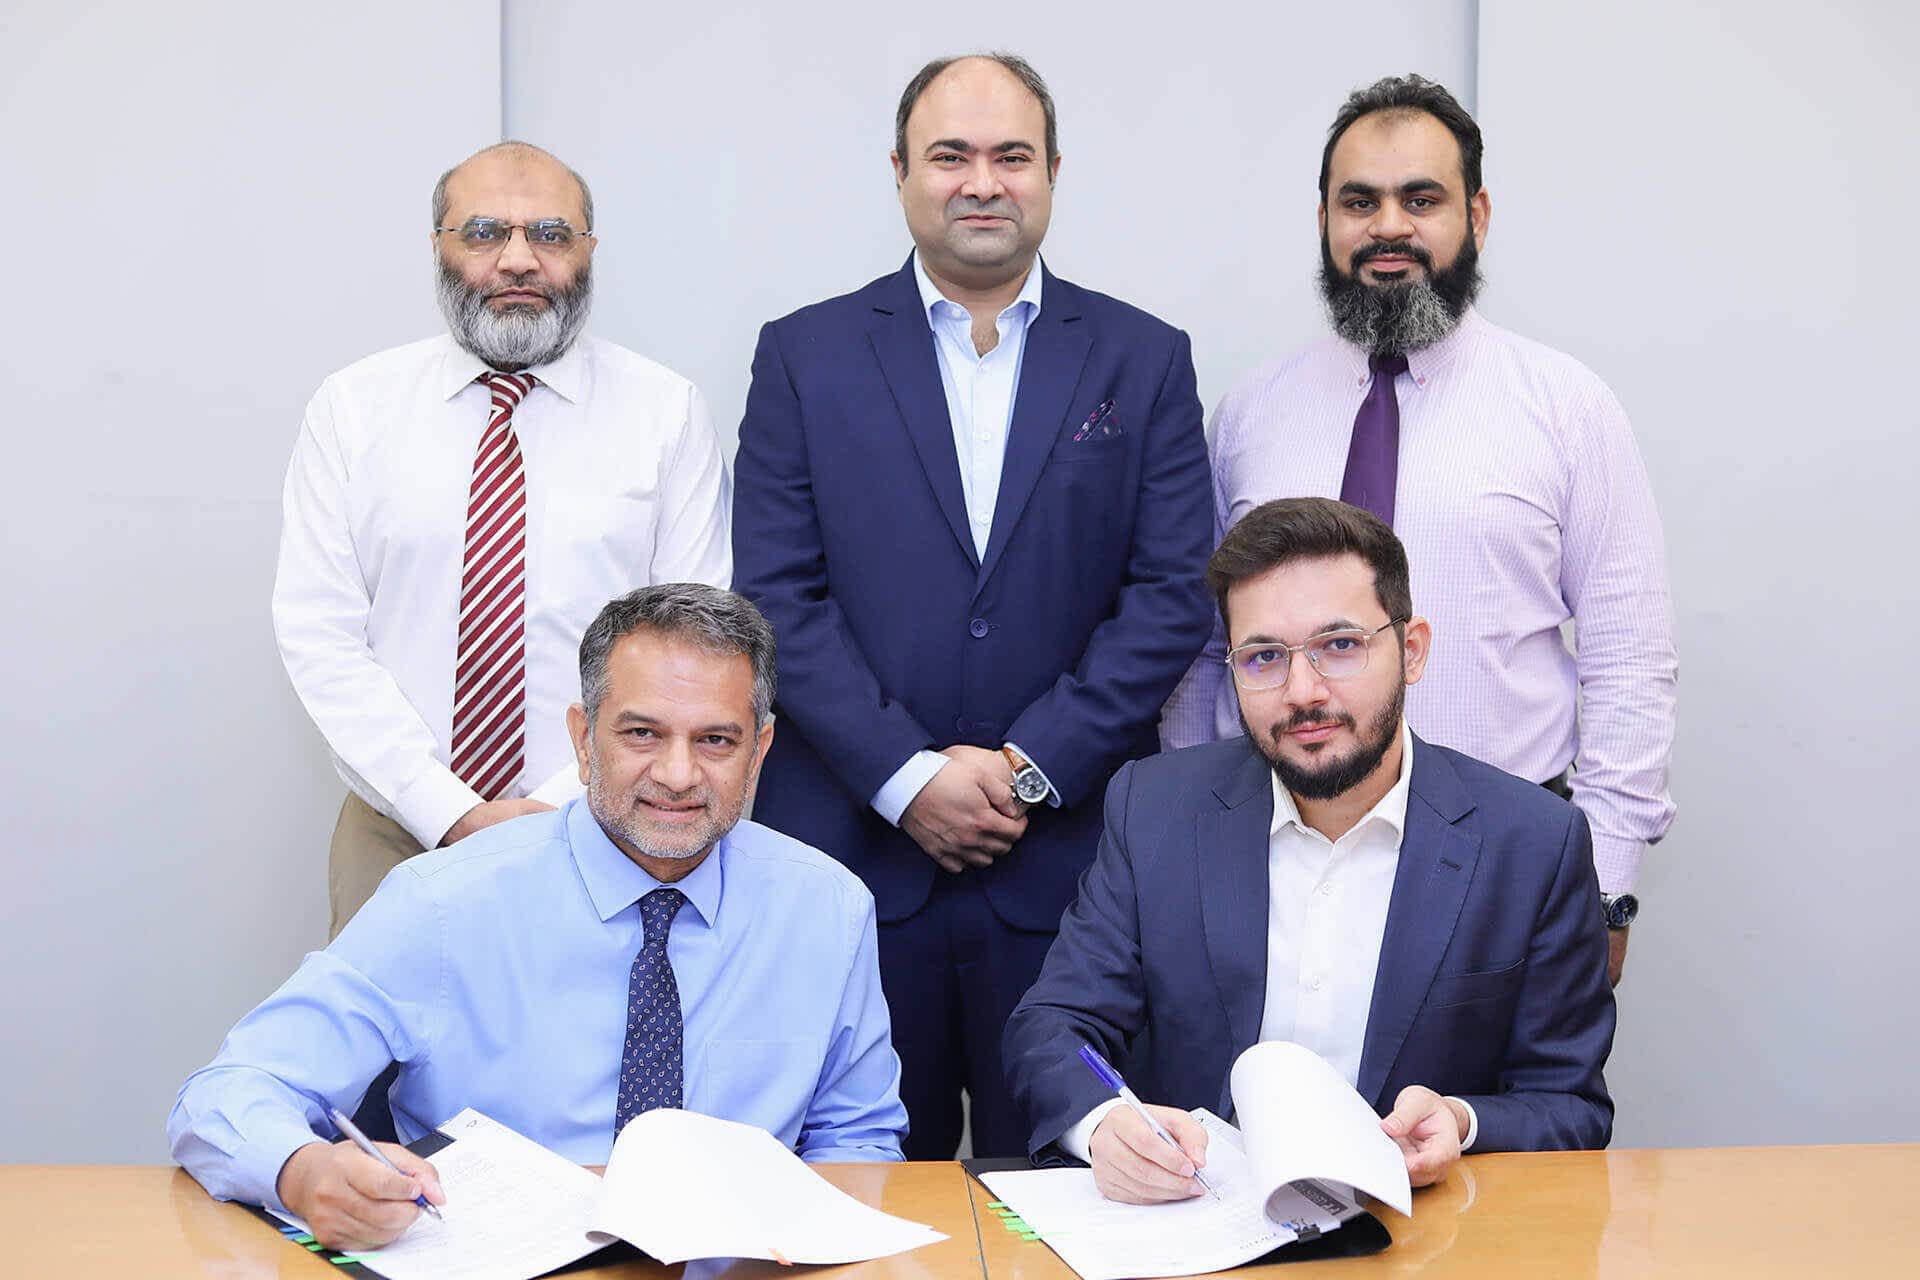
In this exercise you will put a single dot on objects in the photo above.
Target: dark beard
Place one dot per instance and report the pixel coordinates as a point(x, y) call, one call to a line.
point(1341, 776)
point(1391, 319)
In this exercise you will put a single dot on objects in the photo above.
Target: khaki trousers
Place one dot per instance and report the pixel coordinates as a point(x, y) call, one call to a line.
point(366, 845)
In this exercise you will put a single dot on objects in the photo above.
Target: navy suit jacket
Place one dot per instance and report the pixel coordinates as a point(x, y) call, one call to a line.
point(850, 532)
point(1492, 983)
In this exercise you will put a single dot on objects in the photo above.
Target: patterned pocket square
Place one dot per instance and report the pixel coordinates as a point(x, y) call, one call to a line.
point(1102, 424)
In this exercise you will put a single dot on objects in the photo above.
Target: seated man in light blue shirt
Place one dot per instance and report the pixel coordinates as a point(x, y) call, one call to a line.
point(562, 972)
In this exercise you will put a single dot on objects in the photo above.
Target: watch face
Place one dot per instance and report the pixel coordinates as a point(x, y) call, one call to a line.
point(1029, 786)
point(1621, 910)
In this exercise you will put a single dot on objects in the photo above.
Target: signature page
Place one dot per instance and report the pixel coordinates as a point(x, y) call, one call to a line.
point(1102, 1239)
point(514, 1210)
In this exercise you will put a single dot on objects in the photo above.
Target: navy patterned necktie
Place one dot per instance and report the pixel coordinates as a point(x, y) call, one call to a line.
point(651, 1070)
point(1373, 455)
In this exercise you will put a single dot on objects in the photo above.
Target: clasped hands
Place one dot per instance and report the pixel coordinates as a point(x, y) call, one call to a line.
point(966, 815)
point(488, 812)
point(1132, 1165)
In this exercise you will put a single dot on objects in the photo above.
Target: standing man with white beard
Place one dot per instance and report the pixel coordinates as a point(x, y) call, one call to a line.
point(1508, 469)
point(458, 509)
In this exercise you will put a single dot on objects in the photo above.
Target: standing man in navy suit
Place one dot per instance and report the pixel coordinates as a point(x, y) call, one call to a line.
point(973, 500)
point(1429, 925)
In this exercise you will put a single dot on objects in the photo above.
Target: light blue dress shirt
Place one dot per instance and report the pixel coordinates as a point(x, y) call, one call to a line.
point(980, 389)
point(495, 972)
point(980, 394)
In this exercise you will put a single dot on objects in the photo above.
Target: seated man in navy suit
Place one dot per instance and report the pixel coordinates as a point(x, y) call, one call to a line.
point(1429, 925)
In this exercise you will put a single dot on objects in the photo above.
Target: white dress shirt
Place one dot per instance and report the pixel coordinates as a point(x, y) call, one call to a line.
point(625, 487)
point(1522, 502)
point(1326, 916)
point(980, 393)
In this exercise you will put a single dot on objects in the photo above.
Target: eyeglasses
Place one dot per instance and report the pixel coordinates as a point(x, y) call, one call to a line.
point(1337, 655)
point(550, 237)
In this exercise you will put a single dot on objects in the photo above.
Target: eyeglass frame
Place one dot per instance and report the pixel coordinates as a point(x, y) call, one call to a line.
point(1366, 640)
point(525, 229)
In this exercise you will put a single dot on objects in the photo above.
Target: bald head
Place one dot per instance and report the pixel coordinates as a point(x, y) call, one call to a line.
point(513, 165)
point(1018, 68)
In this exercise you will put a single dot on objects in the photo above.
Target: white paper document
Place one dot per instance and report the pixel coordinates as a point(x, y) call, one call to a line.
point(684, 1186)
point(1306, 1141)
point(514, 1210)
point(678, 1186)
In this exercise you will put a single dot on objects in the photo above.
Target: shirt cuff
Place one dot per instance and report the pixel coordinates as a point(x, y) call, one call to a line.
point(258, 1164)
point(1078, 1141)
point(1473, 1124)
point(1053, 797)
point(897, 792)
point(429, 805)
point(563, 786)
point(1616, 860)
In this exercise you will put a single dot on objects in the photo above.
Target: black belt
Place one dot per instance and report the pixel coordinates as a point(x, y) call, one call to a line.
point(1559, 786)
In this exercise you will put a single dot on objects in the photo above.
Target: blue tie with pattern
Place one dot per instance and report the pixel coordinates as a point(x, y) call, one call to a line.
point(651, 1071)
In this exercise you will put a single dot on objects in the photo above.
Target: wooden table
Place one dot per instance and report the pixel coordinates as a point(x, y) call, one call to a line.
point(1757, 1211)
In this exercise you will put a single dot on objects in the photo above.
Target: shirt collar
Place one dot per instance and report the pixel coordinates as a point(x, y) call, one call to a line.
point(1391, 808)
point(566, 376)
point(931, 297)
point(1429, 360)
point(615, 882)
point(1425, 362)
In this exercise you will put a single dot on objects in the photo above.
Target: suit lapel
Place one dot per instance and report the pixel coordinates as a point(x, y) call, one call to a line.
point(1057, 346)
point(1231, 861)
point(904, 344)
point(1437, 858)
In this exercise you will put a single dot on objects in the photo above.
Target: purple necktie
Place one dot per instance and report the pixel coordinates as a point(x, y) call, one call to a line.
point(1373, 456)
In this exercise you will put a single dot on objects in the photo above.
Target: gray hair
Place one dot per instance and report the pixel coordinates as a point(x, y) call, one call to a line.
point(440, 187)
point(1015, 65)
point(720, 622)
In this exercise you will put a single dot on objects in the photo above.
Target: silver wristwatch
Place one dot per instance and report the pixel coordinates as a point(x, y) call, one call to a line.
point(1029, 784)
point(1619, 909)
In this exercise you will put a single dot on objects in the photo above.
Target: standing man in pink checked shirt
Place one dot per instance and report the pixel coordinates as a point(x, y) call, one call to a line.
point(458, 510)
point(1507, 469)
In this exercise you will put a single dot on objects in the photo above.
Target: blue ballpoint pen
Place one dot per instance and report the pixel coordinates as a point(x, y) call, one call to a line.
point(365, 1143)
point(1111, 1078)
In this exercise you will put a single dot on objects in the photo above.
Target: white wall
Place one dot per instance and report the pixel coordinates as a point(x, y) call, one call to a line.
point(215, 205)
point(738, 154)
point(1710, 204)
point(208, 207)
point(234, 201)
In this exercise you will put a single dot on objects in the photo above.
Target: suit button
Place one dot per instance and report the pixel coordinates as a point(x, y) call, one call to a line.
point(978, 628)
point(963, 725)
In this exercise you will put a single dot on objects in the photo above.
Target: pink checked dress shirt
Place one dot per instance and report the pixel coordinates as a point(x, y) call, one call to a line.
point(1523, 503)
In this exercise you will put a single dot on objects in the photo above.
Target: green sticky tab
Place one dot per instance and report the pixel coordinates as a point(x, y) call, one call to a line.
point(1029, 1235)
point(344, 1261)
point(996, 1204)
point(313, 1248)
point(303, 1239)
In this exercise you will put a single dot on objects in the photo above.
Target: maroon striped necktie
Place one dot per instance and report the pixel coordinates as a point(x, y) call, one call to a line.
point(490, 671)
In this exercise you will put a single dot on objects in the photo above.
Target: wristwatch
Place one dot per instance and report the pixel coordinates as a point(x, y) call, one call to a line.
point(1029, 784)
point(1619, 909)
